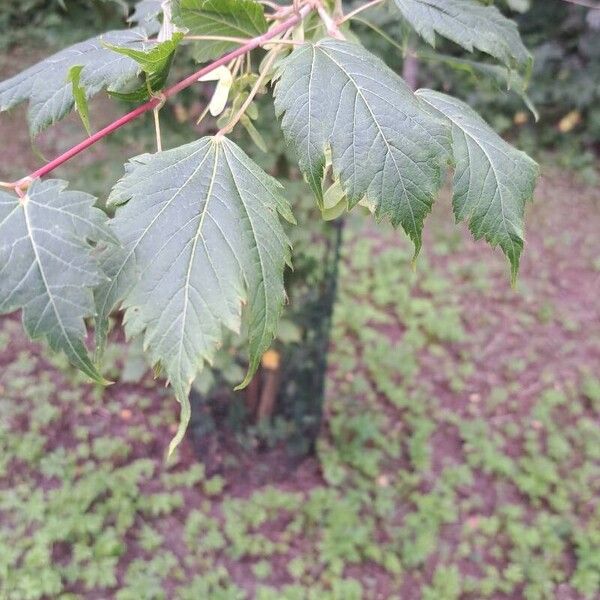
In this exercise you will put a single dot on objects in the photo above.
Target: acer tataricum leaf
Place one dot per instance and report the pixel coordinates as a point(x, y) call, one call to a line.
point(200, 238)
point(492, 181)
point(48, 84)
point(46, 265)
point(469, 24)
point(386, 147)
point(227, 18)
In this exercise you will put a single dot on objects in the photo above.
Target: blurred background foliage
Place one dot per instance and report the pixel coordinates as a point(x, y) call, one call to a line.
point(51, 21)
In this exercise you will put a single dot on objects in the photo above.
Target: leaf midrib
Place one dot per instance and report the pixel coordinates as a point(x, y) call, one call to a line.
point(262, 266)
point(197, 236)
point(147, 229)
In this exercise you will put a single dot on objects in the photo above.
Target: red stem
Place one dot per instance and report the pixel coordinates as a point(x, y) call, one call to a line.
point(172, 91)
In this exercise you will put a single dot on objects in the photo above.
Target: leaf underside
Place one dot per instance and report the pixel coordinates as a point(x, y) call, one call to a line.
point(47, 268)
point(386, 148)
point(469, 24)
point(226, 18)
point(492, 181)
point(200, 238)
point(48, 86)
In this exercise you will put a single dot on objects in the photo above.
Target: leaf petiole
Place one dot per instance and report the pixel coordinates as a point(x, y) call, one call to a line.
point(257, 84)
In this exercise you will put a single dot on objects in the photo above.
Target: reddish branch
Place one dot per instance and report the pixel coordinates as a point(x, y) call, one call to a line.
point(156, 101)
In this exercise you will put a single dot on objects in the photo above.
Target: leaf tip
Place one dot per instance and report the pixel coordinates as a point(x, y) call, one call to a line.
point(245, 383)
point(182, 395)
point(417, 244)
point(514, 275)
point(413, 264)
point(252, 368)
point(101, 380)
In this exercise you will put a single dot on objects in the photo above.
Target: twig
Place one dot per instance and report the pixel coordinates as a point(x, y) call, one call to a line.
point(330, 24)
point(169, 92)
point(156, 115)
point(269, 45)
point(235, 65)
point(218, 38)
point(338, 10)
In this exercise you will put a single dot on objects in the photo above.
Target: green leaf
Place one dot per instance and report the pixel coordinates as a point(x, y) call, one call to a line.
point(81, 103)
point(225, 18)
point(47, 84)
point(386, 148)
point(200, 238)
point(469, 24)
point(47, 266)
point(155, 63)
point(492, 181)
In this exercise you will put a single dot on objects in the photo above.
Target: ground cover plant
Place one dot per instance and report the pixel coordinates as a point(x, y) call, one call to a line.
point(195, 245)
point(458, 458)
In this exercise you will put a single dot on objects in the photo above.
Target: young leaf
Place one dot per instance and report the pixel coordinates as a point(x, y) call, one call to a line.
point(47, 85)
point(225, 18)
point(385, 146)
point(200, 237)
point(47, 267)
point(469, 24)
point(492, 182)
point(81, 104)
point(155, 64)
